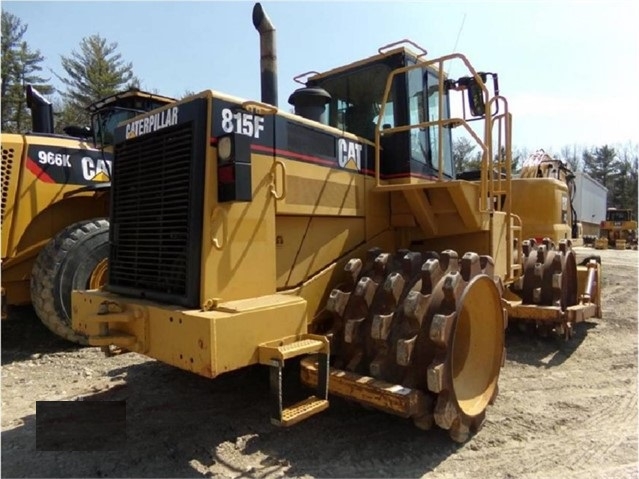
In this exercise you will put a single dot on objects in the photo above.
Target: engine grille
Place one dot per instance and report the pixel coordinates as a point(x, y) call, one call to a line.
point(156, 216)
point(7, 165)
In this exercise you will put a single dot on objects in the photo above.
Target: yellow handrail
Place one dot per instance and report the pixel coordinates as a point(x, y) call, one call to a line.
point(382, 50)
point(486, 187)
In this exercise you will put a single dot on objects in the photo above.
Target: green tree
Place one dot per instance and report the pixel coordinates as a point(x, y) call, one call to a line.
point(626, 179)
point(95, 71)
point(464, 155)
point(20, 67)
point(602, 164)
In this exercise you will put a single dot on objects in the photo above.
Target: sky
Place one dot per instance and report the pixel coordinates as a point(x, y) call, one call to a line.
point(570, 70)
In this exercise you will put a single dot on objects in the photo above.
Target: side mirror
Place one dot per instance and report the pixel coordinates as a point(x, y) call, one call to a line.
point(475, 94)
point(476, 99)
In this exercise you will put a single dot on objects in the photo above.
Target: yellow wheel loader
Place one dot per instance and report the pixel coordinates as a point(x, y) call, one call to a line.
point(340, 233)
point(55, 203)
point(619, 230)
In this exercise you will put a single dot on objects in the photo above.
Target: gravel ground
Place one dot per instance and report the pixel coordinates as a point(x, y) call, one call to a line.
point(565, 410)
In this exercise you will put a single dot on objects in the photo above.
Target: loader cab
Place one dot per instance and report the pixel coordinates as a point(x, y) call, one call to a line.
point(356, 95)
point(108, 112)
point(618, 215)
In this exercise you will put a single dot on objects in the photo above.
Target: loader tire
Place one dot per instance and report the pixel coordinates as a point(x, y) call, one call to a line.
point(75, 258)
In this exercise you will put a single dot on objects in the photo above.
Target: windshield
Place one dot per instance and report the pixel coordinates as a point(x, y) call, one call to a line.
point(105, 121)
point(355, 99)
point(619, 215)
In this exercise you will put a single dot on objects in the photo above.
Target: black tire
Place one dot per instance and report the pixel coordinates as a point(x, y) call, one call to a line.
point(66, 263)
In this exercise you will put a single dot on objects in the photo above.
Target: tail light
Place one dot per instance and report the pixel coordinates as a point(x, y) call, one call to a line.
point(234, 168)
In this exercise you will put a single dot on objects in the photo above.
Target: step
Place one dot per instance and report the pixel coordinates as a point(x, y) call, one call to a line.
point(290, 347)
point(273, 354)
point(300, 411)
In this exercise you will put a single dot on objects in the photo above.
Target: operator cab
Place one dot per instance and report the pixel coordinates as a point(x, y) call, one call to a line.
point(618, 216)
point(108, 112)
point(356, 96)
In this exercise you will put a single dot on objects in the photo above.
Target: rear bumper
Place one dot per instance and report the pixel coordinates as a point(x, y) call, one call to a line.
point(207, 343)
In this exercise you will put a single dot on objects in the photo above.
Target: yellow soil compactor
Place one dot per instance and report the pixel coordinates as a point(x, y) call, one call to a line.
point(341, 233)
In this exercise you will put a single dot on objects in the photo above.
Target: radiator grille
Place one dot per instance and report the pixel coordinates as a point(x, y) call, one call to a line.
point(7, 165)
point(151, 220)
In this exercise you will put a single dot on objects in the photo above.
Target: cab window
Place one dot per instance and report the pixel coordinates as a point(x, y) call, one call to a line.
point(432, 106)
point(356, 98)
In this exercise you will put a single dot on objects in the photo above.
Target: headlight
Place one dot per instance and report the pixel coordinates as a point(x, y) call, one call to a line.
point(225, 148)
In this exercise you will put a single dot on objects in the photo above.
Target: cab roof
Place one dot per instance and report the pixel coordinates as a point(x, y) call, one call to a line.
point(417, 57)
point(127, 95)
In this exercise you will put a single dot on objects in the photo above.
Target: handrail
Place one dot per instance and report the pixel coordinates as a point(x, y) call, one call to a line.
point(514, 225)
point(273, 185)
point(383, 49)
point(219, 212)
point(259, 107)
point(486, 203)
point(298, 78)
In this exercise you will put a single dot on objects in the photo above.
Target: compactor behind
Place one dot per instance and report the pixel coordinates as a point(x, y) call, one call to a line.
point(340, 233)
point(55, 205)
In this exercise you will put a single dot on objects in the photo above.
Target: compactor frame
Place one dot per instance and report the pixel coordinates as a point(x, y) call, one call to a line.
point(341, 233)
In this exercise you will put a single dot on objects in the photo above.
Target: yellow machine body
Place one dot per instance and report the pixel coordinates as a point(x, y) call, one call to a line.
point(256, 235)
point(291, 240)
point(37, 200)
point(546, 216)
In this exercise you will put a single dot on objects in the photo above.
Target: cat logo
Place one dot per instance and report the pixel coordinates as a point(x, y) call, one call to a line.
point(349, 155)
point(96, 170)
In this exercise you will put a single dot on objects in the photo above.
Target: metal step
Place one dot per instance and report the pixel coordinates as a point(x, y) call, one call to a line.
point(300, 411)
point(290, 347)
point(274, 354)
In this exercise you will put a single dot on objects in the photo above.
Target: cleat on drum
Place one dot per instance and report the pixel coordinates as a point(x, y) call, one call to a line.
point(430, 322)
point(549, 279)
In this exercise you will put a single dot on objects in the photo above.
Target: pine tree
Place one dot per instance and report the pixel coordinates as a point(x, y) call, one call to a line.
point(625, 181)
point(95, 71)
point(20, 67)
point(462, 153)
point(602, 164)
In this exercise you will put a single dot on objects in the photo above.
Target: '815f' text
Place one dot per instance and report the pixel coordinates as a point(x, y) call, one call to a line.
point(242, 122)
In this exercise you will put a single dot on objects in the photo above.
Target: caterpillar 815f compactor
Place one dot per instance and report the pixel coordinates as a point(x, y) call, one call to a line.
point(55, 203)
point(339, 232)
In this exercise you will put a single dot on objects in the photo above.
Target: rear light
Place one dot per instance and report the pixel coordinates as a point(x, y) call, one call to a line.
point(234, 168)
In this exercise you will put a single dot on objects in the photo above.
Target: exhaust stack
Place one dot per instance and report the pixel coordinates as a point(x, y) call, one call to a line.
point(268, 58)
point(41, 111)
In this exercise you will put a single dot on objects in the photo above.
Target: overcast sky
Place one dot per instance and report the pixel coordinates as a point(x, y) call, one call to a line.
point(570, 70)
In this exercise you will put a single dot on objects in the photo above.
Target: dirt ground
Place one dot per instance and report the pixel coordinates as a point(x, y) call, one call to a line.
point(565, 410)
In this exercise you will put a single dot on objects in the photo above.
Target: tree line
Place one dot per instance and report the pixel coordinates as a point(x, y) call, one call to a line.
point(96, 70)
point(614, 166)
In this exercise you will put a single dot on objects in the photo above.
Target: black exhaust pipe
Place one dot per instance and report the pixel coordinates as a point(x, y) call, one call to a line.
point(41, 111)
point(268, 58)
